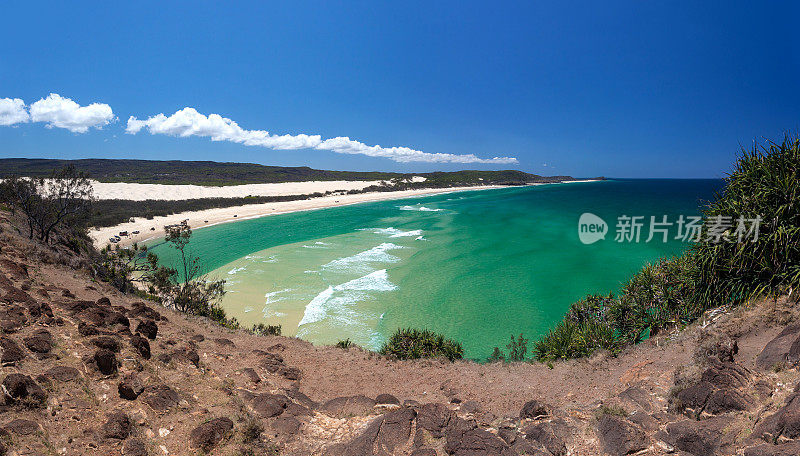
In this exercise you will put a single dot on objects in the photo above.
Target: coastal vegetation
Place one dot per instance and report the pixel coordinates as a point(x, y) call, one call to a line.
point(764, 185)
point(181, 286)
point(409, 343)
point(218, 174)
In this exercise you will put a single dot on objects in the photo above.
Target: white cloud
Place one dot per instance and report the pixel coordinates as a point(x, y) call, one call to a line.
point(64, 113)
point(12, 111)
point(189, 122)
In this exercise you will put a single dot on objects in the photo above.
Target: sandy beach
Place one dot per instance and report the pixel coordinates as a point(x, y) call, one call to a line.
point(154, 228)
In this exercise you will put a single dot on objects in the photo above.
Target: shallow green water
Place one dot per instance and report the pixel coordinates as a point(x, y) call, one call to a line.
point(476, 266)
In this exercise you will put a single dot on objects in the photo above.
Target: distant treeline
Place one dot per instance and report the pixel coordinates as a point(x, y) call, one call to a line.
point(219, 174)
point(114, 212)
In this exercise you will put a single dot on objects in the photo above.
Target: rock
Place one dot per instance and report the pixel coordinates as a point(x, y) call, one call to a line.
point(455, 431)
point(424, 452)
point(22, 388)
point(207, 435)
point(85, 329)
point(777, 350)
point(187, 355)
point(117, 426)
point(160, 397)
point(284, 426)
point(727, 400)
point(62, 373)
point(768, 449)
point(39, 342)
point(134, 447)
point(147, 328)
point(619, 437)
point(251, 374)
point(434, 418)
point(693, 398)
point(141, 345)
point(22, 427)
point(386, 399)
point(344, 407)
point(103, 302)
point(225, 342)
point(478, 442)
point(106, 361)
point(726, 375)
point(552, 434)
point(698, 437)
point(290, 373)
point(130, 387)
point(107, 342)
point(12, 353)
point(269, 405)
point(395, 429)
point(533, 409)
point(198, 338)
point(470, 407)
point(638, 396)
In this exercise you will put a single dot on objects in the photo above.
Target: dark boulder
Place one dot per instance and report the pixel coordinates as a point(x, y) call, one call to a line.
point(134, 447)
point(62, 373)
point(342, 407)
point(698, 437)
point(209, 434)
point(386, 399)
point(251, 374)
point(106, 361)
point(160, 397)
point(768, 449)
point(22, 388)
point(147, 328)
point(130, 387)
point(12, 353)
point(107, 342)
point(269, 405)
point(22, 427)
point(434, 418)
point(619, 437)
point(141, 345)
point(39, 342)
point(533, 409)
point(777, 350)
point(117, 426)
point(554, 435)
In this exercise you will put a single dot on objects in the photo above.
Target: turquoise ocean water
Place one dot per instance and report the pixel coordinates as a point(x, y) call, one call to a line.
point(476, 266)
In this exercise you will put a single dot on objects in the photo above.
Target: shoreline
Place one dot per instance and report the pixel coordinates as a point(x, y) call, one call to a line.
point(216, 216)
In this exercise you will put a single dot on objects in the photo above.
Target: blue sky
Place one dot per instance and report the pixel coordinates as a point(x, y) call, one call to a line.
point(622, 89)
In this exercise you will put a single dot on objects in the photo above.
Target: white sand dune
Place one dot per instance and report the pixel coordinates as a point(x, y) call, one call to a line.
point(140, 192)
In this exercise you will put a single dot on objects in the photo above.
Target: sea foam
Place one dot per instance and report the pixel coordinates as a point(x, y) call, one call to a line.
point(360, 262)
point(419, 209)
point(393, 232)
point(338, 297)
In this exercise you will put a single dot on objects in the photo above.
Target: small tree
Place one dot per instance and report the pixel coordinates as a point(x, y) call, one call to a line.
point(517, 349)
point(185, 285)
point(63, 199)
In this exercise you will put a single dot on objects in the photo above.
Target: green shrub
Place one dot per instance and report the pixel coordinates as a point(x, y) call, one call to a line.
point(415, 343)
point(345, 344)
point(765, 183)
point(266, 330)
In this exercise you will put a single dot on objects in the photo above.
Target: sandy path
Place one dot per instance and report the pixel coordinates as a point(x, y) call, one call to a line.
point(149, 229)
